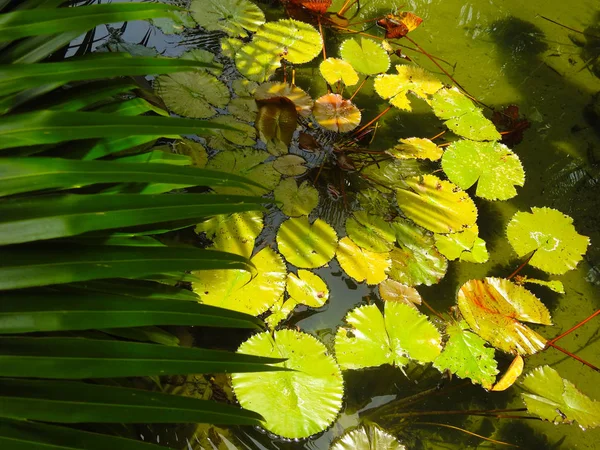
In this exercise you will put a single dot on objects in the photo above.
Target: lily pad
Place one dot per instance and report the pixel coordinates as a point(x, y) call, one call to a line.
point(437, 205)
point(334, 70)
point(370, 232)
point(366, 56)
point(297, 96)
point(558, 400)
point(361, 264)
point(296, 42)
point(374, 202)
point(391, 174)
point(238, 290)
point(466, 356)
point(193, 149)
point(372, 340)
point(335, 113)
point(297, 201)
point(558, 247)
point(554, 285)
point(253, 62)
point(493, 308)
point(233, 233)
point(244, 88)
point(204, 56)
point(230, 47)
point(291, 165)
point(298, 403)
point(240, 133)
point(234, 17)
point(307, 288)
point(465, 245)
point(416, 148)
point(366, 437)
point(280, 311)
point(276, 122)
point(477, 254)
point(192, 94)
point(462, 116)
point(393, 291)
point(493, 166)
point(306, 245)
point(243, 108)
point(409, 79)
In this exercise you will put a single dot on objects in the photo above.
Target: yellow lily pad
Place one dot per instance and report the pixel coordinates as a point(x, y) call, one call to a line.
point(307, 288)
point(307, 245)
point(335, 113)
point(409, 79)
point(361, 264)
point(335, 69)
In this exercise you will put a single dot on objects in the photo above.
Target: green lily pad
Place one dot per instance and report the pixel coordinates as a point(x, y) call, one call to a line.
point(193, 149)
point(493, 308)
point(243, 108)
point(238, 290)
point(250, 164)
point(233, 233)
point(192, 94)
point(558, 247)
point(234, 17)
point(334, 70)
point(394, 291)
point(298, 403)
point(230, 47)
point(306, 245)
point(466, 356)
point(297, 96)
point(558, 400)
point(290, 165)
point(360, 264)
point(297, 201)
point(462, 116)
point(307, 288)
point(240, 134)
point(465, 245)
point(204, 56)
point(367, 56)
point(366, 437)
point(370, 232)
point(416, 148)
point(437, 205)
point(391, 174)
point(280, 311)
point(493, 166)
point(244, 88)
point(255, 63)
point(374, 202)
point(395, 88)
point(372, 340)
point(553, 285)
point(477, 254)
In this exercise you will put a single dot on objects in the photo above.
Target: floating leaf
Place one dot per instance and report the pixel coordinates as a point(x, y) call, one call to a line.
point(336, 114)
point(307, 288)
point(297, 96)
point(291, 165)
point(437, 205)
point(250, 164)
point(296, 403)
point(370, 232)
point(465, 245)
point(192, 94)
point(276, 122)
point(493, 166)
point(360, 264)
point(280, 311)
point(391, 174)
point(397, 26)
point(373, 340)
point(230, 47)
point(233, 17)
point(243, 87)
point(240, 133)
point(374, 202)
point(366, 437)
point(243, 108)
point(177, 23)
point(367, 56)
point(466, 356)
point(462, 116)
point(513, 372)
point(297, 201)
point(558, 247)
point(416, 148)
point(233, 233)
point(557, 400)
point(204, 56)
point(334, 70)
point(307, 245)
point(409, 79)
point(238, 290)
point(493, 308)
point(255, 63)
point(393, 291)
point(554, 285)
point(194, 150)
point(478, 253)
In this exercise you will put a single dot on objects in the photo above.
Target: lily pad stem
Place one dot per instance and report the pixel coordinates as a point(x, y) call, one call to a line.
point(572, 355)
point(379, 116)
point(359, 88)
point(470, 432)
point(570, 330)
point(522, 265)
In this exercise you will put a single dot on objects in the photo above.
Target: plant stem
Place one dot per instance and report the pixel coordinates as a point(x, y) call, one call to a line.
point(379, 116)
point(568, 28)
point(467, 432)
point(552, 341)
point(359, 87)
point(572, 355)
point(322, 37)
point(522, 265)
point(438, 135)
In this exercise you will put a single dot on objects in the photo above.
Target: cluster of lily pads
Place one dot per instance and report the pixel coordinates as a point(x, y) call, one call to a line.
point(402, 233)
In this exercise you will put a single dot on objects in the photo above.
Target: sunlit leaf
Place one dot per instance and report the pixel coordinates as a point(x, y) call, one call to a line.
point(477, 254)
point(361, 264)
point(307, 288)
point(409, 79)
point(276, 121)
point(192, 94)
point(230, 47)
point(397, 26)
point(366, 437)
point(234, 17)
point(370, 232)
point(416, 148)
point(291, 165)
point(466, 356)
point(297, 96)
point(513, 372)
point(297, 200)
point(554, 285)
point(233, 233)
point(393, 291)
point(372, 339)
point(306, 245)
point(558, 247)
point(391, 174)
point(280, 311)
point(462, 116)
point(437, 205)
point(243, 88)
point(494, 307)
point(335, 113)
point(558, 400)
point(253, 62)
point(296, 403)
point(465, 245)
point(334, 70)
point(238, 290)
point(367, 56)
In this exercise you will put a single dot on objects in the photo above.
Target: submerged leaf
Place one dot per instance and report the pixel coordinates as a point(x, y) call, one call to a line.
point(551, 234)
point(393, 291)
point(360, 264)
point(366, 437)
point(409, 79)
point(367, 56)
point(334, 70)
point(416, 148)
point(493, 308)
point(297, 201)
point(307, 245)
point(291, 165)
point(370, 232)
point(233, 17)
point(233, 233)
point(297, 96)
point(307, 288)
point(466, 356)
point(335, 113)
point(296, 403)
point(194, 150)
point(558, 400)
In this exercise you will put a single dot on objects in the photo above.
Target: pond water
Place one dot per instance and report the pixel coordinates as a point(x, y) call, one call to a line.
point(503, 53)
